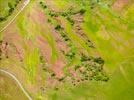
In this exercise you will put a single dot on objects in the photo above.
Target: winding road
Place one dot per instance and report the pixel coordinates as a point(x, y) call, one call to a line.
point(25, 4)
point(18, 82)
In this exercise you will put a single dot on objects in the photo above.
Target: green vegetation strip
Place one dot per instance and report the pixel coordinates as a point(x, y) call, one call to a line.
point(31, 62)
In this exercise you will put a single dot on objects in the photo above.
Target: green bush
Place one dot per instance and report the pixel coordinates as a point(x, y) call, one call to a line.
point(82, 11)
point(2, 19)
point(10, 5)
point(10, 11)
point(49, 20)
point(99, 60)
point(70, 20)
point(43, 5)
point(58, 27)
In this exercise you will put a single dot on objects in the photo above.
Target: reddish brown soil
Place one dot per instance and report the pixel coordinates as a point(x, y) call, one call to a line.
point(119, 4)
point(78, 18)
point(57, 67)
point(45, 49)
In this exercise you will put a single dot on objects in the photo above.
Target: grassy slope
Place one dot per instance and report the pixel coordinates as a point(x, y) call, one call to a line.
point(120, 87)
point(114, 43)
point(9, 90)
point(4, 10)
point(117, 54)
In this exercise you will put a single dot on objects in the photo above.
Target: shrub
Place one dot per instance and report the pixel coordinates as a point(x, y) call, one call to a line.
point(2, 19)
point(70, 20)
point(41, 2)
point(85, 58)
point(10, 11)
point(70, 55)
point(66, 39)
point(58, 27)
point(63, 35)
point(17, 1)
point(10, 5)
point(64, 14)
point(99, 60)
point(15, 5)
point(82, 11)
point(77, 67)
point(49, 20)
point(44, 6)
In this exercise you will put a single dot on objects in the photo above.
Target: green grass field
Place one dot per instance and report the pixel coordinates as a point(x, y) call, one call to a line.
point(9, 89)
point(71, 49)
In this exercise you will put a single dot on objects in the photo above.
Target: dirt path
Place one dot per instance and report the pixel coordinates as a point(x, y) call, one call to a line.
point(25, 4)
point(20, 85)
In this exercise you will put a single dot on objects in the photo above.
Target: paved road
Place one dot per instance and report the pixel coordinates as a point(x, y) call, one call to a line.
point(18, 82)
point(25, 4)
